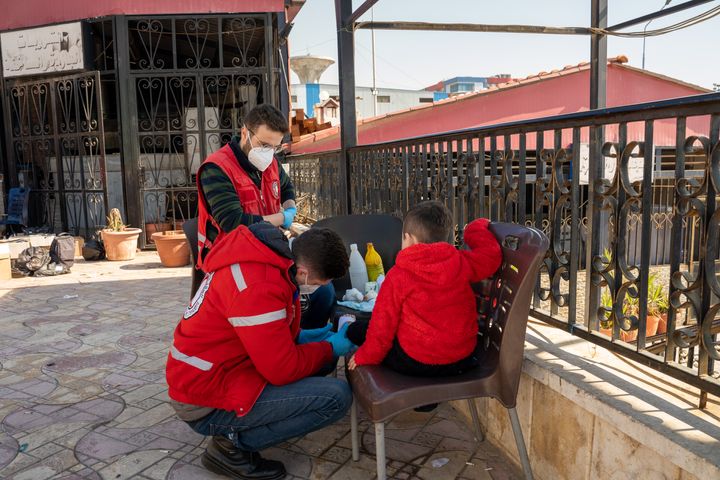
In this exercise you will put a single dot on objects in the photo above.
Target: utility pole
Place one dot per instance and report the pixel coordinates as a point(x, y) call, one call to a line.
point(374, 83)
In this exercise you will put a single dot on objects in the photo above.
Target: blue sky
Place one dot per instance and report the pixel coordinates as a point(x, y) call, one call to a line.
point(417, 59)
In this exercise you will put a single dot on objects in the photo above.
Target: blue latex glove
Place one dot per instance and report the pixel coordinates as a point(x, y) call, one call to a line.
point(314, 334)
point(289, 214)
point(341, 345)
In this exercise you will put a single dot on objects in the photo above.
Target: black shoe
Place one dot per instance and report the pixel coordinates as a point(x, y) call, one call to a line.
point(426, 408)
point(223, 458)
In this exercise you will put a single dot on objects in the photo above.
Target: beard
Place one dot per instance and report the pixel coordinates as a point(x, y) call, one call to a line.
point(245, 146)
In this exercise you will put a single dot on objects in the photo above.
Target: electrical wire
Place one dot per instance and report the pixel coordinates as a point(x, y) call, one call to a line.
point(702, 17)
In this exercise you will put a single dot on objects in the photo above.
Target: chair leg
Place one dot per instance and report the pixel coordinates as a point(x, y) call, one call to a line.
point(520, 441)
point(354, 431)
point(479, 437)
point(380, 450)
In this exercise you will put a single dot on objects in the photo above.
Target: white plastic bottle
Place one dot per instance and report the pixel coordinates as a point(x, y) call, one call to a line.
point(358, 270)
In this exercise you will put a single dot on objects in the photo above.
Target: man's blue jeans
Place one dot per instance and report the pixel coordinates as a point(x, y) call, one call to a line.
point(281, 413)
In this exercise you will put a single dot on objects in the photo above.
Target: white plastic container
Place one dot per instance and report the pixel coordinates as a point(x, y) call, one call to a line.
point(358, 270)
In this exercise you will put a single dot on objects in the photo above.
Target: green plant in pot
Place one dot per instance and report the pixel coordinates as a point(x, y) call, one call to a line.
point(658, 305)
point(119, 240)
point(630, 307)
point(606, 301)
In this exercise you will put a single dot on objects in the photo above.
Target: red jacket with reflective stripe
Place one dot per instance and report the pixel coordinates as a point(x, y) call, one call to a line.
point(238, 332)
point(427, 302)
point(256, 201)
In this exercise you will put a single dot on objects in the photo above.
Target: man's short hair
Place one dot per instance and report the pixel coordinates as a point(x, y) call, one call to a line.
point(266, 115)
point(323, 251)
point(429, 222)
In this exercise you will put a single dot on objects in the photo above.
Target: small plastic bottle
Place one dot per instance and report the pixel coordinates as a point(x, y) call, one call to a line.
point(358, 270)
point(373, 262)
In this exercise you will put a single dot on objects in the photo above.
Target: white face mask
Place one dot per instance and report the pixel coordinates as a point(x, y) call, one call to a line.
point(308, 289)
point(261, 157)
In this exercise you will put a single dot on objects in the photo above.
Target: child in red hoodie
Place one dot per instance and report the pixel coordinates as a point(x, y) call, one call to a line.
point(425, 321)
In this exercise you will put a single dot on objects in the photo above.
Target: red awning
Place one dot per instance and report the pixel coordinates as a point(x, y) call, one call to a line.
point(32, 13)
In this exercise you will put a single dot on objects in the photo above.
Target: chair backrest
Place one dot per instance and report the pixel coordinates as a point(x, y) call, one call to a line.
point(384, 231)
point(17, 209)
point(504, 306)
point(190, 227)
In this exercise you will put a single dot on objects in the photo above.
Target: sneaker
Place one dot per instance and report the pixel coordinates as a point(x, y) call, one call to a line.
point(223, 458)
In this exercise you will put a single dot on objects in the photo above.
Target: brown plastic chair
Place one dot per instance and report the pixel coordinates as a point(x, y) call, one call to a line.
point(190, 227)
point(503, 308)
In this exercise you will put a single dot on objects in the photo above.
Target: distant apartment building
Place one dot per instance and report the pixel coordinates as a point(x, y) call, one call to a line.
point(310, 96)
point(459, 85)
point(313, 97)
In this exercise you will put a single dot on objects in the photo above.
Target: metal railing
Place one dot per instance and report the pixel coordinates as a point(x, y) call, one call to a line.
point(641, 182)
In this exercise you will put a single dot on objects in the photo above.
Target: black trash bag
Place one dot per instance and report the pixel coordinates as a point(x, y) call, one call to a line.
point(51, 269)
point(31, 260)
point(93, 250)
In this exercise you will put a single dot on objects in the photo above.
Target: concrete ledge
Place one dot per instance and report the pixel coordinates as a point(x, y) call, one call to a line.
point(589, 413)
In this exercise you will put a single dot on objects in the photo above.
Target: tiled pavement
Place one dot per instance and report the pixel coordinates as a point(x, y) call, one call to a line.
point(83, 394)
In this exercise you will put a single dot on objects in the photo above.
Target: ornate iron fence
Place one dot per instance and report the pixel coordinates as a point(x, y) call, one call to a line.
point(641, 182)
point(317, 180)
point(192, 80)
point(56, 135)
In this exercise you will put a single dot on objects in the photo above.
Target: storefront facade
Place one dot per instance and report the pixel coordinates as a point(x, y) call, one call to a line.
point(119, 111)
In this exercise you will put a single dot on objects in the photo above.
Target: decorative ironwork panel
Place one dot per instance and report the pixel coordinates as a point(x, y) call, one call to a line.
point(317, 179)
point(198, 43)
point(194, 79)
point(57, 134)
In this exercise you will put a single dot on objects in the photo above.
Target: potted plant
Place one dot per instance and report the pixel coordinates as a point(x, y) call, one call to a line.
point(606, 323)
point(658, 305)
point(172, 247)
point(120, 241)
point(159, 226)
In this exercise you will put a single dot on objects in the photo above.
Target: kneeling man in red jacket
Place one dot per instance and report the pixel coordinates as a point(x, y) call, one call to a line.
point(240, 368)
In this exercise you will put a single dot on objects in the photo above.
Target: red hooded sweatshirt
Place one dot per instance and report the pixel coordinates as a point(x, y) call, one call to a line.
point(427, 301)
point(238, 333)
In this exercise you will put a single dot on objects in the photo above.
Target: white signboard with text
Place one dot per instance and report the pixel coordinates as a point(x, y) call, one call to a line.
point(635, 166)
point(37, 51)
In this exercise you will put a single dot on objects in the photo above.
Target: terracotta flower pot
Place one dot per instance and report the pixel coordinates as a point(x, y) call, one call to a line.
point(630, 336)
point(121, 245)
point(151, 228)
point(662, 324)
point(652, 323)
point(172, 247)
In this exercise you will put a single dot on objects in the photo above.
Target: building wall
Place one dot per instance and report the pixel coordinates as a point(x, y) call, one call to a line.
point(397, 99)
point(586, 414)
point(560, 94)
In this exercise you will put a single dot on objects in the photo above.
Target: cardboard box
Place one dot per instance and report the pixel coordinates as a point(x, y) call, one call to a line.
point(15, 246)
point(5, 272)
point(79, 244)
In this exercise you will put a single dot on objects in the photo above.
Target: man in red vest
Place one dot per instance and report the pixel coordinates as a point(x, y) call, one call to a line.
point(240, 368)
point(242, 184)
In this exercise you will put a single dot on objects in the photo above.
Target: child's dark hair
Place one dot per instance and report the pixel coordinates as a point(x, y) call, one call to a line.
point(266, 115)
point(429, 222)
point(323, 251)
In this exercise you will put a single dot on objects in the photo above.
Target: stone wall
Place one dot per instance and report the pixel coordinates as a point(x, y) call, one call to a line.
point(589, 414)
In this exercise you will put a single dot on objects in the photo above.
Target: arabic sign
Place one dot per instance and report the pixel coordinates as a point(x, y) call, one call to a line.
point(635, 166)
point(37, 51)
